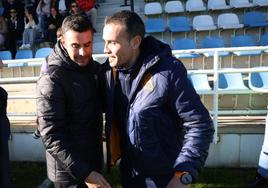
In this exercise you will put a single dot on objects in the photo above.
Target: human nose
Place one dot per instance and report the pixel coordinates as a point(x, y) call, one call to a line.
point(106, 49)
point(81, 51)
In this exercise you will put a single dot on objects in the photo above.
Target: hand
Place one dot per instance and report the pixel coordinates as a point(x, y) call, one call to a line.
point(96, 180)
point(176, 183)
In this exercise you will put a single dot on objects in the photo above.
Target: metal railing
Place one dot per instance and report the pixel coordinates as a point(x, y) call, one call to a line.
point(215, 72)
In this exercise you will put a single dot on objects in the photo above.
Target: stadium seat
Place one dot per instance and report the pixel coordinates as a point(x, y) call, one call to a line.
point(200, 83)
point(232, 83)
point(260, 2)
point(228, 21)
point(153, 8)
point(173, 7)
point(218, 5)
point(241, 4)
point(242, 41)
point(213, 42)
point(195, 5)
point(184, 44)
point(154, 25)
point(179, 24)
point(255, 19)
point(258, 81)
point(43, 52)
point(203, 23)
point(264, 40)
point(24, 54)
point(5, 55)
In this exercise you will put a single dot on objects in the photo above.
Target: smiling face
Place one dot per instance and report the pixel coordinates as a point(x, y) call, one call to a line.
point(121, 50)
point(78, 45)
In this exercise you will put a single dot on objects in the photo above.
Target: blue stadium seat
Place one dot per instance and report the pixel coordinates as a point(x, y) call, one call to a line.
point(179, 24)
point(258, 81)
point(5, 55)
point(264, 40)
point(255, 19)
point(213, 42)
point(43, 52)
point(184, 44)
point(232, 83)
point(242, 41)
point(200, 83)
point(155, 25)
point(24, 54)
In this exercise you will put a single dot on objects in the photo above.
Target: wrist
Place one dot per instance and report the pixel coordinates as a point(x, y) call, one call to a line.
point(184, 177)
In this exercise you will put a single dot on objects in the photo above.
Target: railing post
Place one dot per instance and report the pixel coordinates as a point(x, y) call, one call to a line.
point(215, 95)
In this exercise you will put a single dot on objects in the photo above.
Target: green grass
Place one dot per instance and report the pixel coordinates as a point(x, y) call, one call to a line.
point(27, 174)
point(30, 175)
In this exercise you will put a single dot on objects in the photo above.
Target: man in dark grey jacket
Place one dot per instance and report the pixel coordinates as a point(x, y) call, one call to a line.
point(69, 109)
point(4, 135)
point(164, 128)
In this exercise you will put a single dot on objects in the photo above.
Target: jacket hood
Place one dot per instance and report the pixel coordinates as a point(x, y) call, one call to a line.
point(60, 57)
point(152, 47)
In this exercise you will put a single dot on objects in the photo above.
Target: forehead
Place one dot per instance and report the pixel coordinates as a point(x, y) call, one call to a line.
point(114, 31)
point(71, 36)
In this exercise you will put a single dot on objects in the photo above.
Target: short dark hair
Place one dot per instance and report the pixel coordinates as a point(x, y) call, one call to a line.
point(132, 21)
point(78, 23)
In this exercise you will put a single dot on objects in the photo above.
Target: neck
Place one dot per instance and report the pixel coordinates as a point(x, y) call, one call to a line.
point(133, 59)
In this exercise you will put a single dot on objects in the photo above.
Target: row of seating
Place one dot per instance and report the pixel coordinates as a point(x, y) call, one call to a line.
point(177, 6)
point(232, 83)
point(26, 54)
point(205, 22)
point(218, 42)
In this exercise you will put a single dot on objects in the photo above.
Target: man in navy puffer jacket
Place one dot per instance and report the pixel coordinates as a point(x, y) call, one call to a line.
point(164, 129)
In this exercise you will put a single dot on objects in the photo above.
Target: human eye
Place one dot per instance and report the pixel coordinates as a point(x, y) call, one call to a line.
point(75, 46)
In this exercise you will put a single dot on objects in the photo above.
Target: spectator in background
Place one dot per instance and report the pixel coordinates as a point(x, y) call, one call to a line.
point(88, 6)
point(15, 30)
point(4, 136)
point(3, 31)
point(43, 12)
point(54, 22)
point(74, 9)
point(31, 29)
point(13, 4)
point(262, 171)
point(63, 6)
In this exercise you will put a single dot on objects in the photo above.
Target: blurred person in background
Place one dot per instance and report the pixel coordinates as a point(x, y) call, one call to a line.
point(4, 136)
point(31, 29)
point(262, 171)
point(88, 6)
point(15, 31)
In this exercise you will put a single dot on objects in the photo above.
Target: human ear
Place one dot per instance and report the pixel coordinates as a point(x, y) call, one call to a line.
point(135, 42)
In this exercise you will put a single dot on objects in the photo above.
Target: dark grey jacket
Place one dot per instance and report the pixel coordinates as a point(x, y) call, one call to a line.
point(69, 116)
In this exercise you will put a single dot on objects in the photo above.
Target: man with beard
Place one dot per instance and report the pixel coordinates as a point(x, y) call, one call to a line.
point(69, 109)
